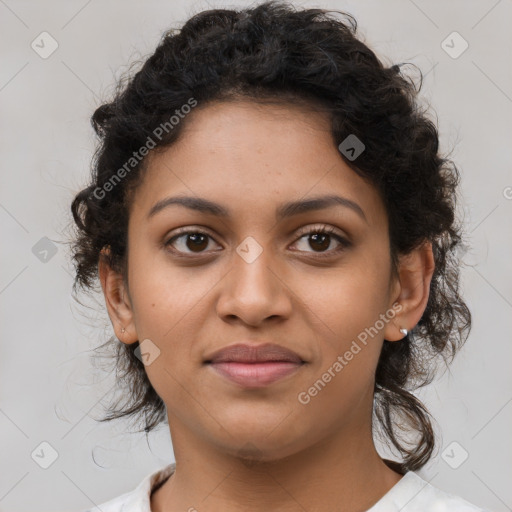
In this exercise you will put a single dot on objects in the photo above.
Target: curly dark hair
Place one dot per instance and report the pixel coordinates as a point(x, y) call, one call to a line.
point(275, 52)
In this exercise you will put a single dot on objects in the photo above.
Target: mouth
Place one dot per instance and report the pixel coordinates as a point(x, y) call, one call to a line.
point(254, 366)
point(255, 375)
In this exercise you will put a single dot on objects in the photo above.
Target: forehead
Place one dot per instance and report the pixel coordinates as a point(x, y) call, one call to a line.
point(248, 155)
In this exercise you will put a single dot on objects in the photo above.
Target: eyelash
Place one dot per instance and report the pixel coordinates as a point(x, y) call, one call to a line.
point(326, 230)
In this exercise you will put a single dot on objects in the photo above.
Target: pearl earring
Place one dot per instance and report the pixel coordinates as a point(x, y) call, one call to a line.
point(123, 330)
point(403, 331)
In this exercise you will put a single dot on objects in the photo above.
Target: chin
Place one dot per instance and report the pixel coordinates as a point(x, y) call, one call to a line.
point(257, 446)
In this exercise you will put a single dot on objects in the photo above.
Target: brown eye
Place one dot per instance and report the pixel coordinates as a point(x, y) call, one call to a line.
point(189, 242)
point(320, 239)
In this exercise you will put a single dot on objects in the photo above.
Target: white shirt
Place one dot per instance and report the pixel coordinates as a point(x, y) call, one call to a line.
point(410, 494)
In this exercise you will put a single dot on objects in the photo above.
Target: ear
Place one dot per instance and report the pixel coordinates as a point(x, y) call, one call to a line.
point(411, 290)
point(117, 300)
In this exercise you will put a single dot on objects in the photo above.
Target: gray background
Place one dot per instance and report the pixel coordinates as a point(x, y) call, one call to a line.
point(49, 390)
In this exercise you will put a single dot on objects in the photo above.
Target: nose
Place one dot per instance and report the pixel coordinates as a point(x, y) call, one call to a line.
point(254, 291)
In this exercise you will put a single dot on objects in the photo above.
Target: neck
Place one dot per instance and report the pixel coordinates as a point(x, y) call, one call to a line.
point(343, 470)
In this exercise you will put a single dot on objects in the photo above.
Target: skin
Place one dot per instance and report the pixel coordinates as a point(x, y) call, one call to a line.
point(317, 456)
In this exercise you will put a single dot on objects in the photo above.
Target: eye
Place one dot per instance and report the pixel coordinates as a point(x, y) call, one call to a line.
point(190, 241)
point(195, 241)
point(321, 238)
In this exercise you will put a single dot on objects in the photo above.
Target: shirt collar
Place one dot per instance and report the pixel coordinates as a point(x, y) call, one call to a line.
point(140, 499)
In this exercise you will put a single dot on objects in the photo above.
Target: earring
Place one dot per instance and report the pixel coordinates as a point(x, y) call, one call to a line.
point(403, 331)
point(123, 330)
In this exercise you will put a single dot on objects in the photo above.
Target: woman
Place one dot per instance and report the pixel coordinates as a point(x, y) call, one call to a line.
point(274, 233)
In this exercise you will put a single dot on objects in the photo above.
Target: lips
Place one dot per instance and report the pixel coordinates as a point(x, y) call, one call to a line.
point(243, 353)
point(253, 366)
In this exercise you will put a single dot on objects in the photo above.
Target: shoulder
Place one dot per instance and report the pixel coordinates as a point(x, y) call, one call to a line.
point(137, 500)
point(118, 504)
point(414, 494)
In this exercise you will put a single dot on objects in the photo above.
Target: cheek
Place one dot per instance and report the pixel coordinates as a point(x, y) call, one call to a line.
point(164, 295)
point(346, 300)
point(345, 308)
point(169, 312)
point(169, 306)
point(348, 337)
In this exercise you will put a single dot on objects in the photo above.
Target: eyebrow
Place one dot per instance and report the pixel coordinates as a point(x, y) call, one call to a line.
point(283, 211)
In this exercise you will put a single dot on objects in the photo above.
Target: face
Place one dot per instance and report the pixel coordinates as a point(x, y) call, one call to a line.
point(198, 281)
